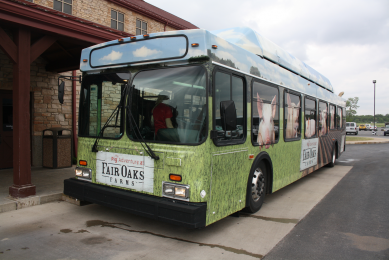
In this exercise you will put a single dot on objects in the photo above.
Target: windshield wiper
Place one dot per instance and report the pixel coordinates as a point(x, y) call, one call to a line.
point(131, 119)
point(137, 133)
point(115, 112)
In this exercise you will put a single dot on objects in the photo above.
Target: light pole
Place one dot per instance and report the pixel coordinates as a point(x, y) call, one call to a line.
point(374, 81)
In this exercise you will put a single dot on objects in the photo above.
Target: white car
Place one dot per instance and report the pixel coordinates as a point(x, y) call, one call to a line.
point(351, 128)
point(371, 127)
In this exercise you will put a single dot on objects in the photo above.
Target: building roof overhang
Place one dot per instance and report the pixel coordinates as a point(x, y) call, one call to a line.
point(72, 33)
point(155, 13)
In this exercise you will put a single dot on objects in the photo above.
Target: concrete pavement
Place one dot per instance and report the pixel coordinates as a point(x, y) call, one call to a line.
point(48, 182)
point(61, 230)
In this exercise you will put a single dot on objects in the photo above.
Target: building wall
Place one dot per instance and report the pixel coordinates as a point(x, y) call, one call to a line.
point(99, 11)
point(47, 112)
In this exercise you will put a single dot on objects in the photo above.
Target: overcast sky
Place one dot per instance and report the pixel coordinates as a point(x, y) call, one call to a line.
point(345, 40)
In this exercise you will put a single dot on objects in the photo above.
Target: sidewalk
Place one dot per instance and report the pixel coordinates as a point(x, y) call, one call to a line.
point(48, 182)
point(374, 141)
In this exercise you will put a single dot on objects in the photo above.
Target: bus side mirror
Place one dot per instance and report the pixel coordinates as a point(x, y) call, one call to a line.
point(61, 91)
point(228, 115)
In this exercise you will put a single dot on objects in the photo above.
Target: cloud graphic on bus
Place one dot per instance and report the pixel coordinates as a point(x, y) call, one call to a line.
point(114, 55)
point(144, 52)
point(181, 51)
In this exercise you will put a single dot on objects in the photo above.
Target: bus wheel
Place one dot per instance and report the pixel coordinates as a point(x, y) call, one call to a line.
point(256, 188)
point(333, 157)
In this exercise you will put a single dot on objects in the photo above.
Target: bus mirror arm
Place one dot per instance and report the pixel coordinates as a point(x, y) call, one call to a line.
point(61, 85)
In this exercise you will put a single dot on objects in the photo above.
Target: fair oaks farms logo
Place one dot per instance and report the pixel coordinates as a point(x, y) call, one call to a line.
point(124, 170)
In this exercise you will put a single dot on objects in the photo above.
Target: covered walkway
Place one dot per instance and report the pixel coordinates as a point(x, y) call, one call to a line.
point(29, 31)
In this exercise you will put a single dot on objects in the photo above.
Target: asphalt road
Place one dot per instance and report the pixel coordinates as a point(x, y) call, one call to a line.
point(352, 221)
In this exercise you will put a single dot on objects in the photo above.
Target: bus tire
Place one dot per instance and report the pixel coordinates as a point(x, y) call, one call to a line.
point(333, 157)
point(256, 188)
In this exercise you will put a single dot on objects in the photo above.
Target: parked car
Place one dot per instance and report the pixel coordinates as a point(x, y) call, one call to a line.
point(368, 127)
point(371, 127)
point(362, 127)
point(386, 129)
point(351, 128)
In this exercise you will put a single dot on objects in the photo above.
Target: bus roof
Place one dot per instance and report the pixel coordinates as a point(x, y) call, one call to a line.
point(254, 42)
point(239, 48)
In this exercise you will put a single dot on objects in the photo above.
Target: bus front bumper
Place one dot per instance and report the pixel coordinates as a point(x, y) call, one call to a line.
point(188, 214)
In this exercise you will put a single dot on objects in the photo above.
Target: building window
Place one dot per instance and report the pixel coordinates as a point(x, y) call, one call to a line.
point(63, 6)
point(117, 20)
point(141, 27)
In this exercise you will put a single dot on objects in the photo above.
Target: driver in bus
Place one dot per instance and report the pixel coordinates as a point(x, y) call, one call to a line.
point(161, 113)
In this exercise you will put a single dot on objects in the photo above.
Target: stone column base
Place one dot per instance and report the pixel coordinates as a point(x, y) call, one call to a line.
point(22, 191)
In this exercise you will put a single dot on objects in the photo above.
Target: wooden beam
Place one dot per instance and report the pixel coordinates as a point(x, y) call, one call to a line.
point(22, 186)
point(62, 66)
point(8, 46)
point(40, 46)
point(68, 53)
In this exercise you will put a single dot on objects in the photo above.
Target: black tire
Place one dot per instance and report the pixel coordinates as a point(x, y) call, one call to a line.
point(333, 157)
point(356, 133)
point(256, 188)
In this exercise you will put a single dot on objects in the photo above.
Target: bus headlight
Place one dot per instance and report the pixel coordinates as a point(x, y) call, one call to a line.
point(175, 191)
point(83, 172)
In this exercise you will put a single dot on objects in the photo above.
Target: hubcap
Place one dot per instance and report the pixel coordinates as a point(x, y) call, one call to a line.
point(258, 185)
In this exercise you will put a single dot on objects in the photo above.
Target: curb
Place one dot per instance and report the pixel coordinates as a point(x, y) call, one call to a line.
point(367, 142)
point(20, 203)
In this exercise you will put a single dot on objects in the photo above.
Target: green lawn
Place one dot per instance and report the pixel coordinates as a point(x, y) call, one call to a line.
point(354, 138)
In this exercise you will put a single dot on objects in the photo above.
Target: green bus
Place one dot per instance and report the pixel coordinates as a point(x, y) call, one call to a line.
point(189, 127)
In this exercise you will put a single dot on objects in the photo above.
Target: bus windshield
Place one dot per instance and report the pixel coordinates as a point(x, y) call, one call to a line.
point(100, 95)
point(169, 105)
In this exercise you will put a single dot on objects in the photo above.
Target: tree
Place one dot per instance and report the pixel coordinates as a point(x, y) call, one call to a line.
point(351, 108)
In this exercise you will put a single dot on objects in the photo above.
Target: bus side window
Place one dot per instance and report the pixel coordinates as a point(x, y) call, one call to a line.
point(265, 114)
point(323, 115)
point(339, 118)
point(292, 112)
point(310, 117)
point(344, 117)
point(332, 117)
point(229, 87)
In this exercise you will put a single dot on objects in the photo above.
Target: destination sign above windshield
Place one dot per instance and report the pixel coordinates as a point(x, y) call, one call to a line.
point(140, 51)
